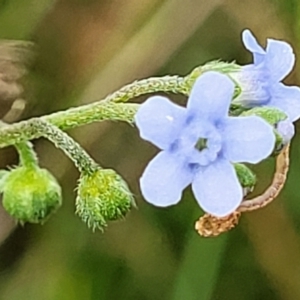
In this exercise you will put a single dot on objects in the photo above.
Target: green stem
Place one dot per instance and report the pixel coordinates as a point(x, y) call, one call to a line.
point(27, 155)
point(107, 109)
point(173, 84)
point(25, 130)
point(72, 149)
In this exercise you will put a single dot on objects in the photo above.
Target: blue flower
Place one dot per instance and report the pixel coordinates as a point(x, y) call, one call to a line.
point(199, 144)
point(260, 81)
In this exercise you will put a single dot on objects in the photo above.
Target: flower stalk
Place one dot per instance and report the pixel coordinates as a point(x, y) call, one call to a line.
point(72, 149)
point(111, 108)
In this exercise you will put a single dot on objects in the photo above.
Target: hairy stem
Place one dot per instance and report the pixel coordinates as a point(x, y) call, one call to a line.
point(63, 141)
point(25, 130)
point(27, 155)
point(111, 108)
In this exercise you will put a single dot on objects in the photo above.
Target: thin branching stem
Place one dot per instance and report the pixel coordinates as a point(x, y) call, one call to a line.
point(111, 108)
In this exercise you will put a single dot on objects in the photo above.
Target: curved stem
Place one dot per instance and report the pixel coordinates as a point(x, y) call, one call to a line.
point(27, 155)
point(111, 108)
point(63, 141)
point(282, 167)
point(209, 225)
point(25, 130)
point(172, 84)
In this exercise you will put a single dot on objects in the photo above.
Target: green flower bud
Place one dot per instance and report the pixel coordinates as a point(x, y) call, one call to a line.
point(246, 178)
point(30, 194)
point(102, 196)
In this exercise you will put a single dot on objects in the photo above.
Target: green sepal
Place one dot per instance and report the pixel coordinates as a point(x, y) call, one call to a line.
point(190, 79)
point(270, 114)
point(102, 196)
point(217, 66)
point(30, 194)
point(246, 177)
point(221, 66)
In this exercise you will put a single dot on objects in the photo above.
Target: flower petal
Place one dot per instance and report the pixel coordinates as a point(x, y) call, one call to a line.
point(247, 139)
point(211, 96)
point(164, 179)
point(286, 98)
point(217, 189)
point(254, 86)
point(252, 45)
point(279, 59)
point(159, 121)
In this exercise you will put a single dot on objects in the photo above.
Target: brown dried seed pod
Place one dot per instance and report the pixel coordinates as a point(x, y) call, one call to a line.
point(209, 226)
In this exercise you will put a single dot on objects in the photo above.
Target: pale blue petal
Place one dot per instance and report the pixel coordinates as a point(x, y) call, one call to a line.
point(247, 139)
point(286, 98)
point(254, 86)
point(279, 59)
point(211, 96)
point(217, 188)
point(252, 45)
point(164, 179)
point(159, 121)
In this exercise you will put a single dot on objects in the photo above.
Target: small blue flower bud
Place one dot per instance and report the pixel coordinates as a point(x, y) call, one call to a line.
point(102, 196)
point(286, 130)
point(30, 194)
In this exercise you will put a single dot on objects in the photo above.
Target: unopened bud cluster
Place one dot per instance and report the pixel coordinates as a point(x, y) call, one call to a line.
point(102, 196)
point(30, 194)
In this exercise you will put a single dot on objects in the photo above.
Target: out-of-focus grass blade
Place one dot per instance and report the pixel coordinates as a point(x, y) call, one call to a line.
point(200, 268)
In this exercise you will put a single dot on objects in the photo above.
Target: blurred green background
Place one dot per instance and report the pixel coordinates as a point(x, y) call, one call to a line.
point(87, 49)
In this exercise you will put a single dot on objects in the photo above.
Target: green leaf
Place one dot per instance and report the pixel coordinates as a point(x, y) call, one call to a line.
point(200, 268)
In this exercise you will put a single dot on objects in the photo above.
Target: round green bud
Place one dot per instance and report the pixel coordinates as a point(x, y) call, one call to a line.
point(30, 194)
point(102, 196)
